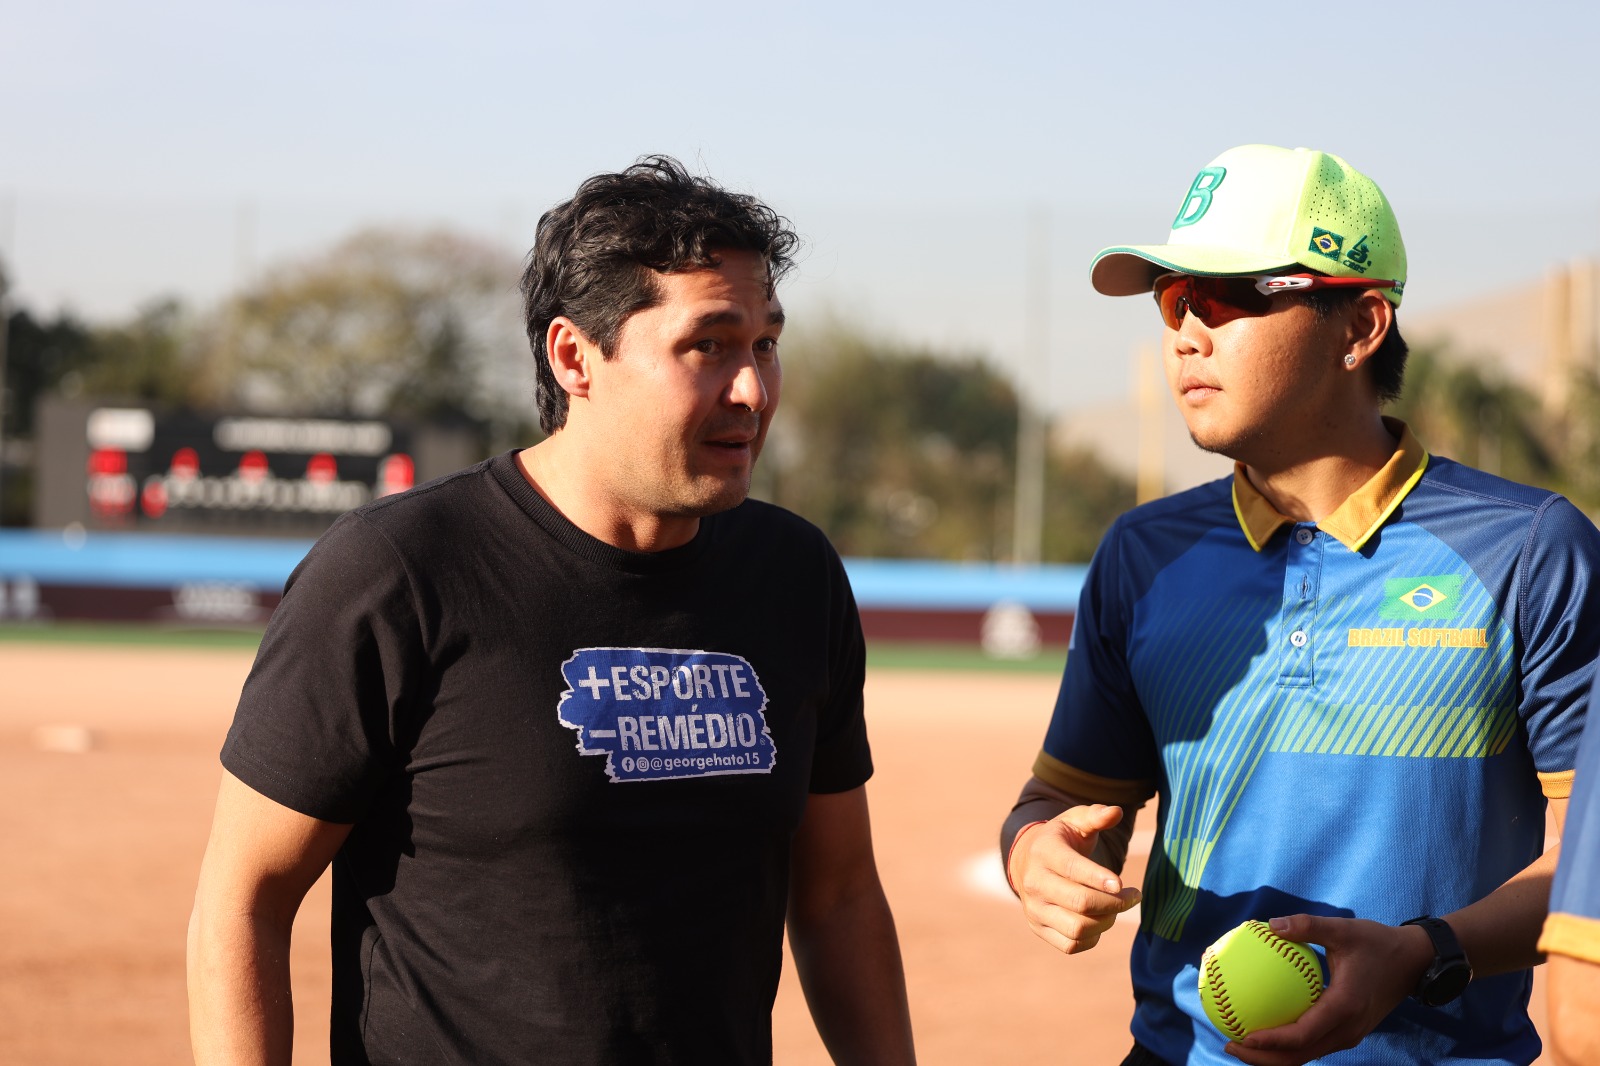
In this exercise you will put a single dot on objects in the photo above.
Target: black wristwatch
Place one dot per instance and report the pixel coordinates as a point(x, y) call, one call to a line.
point(1450, 972)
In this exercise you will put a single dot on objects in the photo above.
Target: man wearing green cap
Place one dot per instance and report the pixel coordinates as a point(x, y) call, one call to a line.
point(1353, 673)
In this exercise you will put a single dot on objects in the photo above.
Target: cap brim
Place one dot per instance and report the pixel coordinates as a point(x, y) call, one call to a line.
point(1131, 270)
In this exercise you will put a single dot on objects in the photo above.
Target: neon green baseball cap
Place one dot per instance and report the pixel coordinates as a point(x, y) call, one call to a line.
point(1259, 209)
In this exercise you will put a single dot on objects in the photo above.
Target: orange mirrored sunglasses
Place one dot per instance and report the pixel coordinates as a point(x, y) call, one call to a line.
point(1217, 300)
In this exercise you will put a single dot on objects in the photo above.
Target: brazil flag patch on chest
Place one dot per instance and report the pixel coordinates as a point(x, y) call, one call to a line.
point(1417, 598)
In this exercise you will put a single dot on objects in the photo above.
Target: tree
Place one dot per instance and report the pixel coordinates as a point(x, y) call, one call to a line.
point(1575, 436)
point(150, 358)
point(898, 451)
point(1083, 498)
point(1476, 416)
point(39, 356)
point(387, 323)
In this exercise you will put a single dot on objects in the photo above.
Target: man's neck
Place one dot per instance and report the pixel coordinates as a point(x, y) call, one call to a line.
point(1310, 485)
point(549, 468)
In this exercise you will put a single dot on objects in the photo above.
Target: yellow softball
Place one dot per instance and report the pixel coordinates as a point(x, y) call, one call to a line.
point(1252, 978)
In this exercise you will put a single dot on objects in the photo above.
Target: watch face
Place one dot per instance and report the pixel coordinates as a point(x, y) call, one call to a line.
point(1448, 983)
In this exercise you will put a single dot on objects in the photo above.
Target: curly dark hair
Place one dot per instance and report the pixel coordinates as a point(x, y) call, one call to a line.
point(595, 257)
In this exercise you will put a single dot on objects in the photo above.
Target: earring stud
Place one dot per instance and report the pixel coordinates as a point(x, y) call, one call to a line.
point(1350, 359)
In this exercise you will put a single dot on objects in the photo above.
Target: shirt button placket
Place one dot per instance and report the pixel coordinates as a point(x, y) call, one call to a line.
point(1300, 582)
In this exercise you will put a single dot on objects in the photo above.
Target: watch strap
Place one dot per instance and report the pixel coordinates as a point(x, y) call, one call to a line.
point(1449, 957)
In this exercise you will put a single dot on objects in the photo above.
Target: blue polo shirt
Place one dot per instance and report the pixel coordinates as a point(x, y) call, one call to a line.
point(1573, 927)
point(1357, 717)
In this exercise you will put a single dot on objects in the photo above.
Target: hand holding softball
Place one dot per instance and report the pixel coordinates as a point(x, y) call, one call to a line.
point(1371, 969)
point(1253, 979)
point(1068, 898)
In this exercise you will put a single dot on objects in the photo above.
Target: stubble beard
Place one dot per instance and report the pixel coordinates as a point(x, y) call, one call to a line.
point(1233, 446)
point(724, 497)
point(699, 495)
point(706, 494)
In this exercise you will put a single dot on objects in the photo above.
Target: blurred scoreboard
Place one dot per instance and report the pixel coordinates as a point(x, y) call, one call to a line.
point(117, 467)
point(143, 514)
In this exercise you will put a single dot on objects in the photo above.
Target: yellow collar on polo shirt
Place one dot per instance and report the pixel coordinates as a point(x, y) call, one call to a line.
point(1362, 513)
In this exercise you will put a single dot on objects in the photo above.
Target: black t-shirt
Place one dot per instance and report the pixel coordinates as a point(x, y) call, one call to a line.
point(573, 771)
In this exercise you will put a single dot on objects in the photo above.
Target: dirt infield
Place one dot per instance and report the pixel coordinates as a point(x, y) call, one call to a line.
point(107, 773)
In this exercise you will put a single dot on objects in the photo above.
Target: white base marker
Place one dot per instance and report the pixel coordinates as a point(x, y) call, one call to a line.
point(63, 739)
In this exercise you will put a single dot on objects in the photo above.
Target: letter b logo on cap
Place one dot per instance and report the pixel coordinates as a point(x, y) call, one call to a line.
point(1198, 200)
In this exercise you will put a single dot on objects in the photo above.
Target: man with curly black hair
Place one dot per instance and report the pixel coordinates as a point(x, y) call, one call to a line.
point(579, 728)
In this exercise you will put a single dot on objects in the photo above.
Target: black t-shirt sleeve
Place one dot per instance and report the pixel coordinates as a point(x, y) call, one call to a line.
point(843, 760)
point(317, 723)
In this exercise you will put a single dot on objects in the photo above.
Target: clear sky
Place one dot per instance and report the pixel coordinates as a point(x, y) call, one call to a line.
point(181, 146)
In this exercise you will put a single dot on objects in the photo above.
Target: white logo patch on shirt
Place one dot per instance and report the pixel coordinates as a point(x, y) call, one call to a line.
point(660, 713)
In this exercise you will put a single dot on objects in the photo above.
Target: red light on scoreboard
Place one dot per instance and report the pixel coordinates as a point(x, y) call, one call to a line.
point(111, 489)
point(322, 469)
point(154, 498)
point(253, 466)
point(185, 464)
point(108, 462)
point(396, 473)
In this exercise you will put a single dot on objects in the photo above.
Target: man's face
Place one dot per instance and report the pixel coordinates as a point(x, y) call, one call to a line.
point(683, 404)
point(1256, 388)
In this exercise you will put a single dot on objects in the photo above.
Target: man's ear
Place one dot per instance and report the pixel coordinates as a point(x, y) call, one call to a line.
point(1371, 319)
point(570, 354)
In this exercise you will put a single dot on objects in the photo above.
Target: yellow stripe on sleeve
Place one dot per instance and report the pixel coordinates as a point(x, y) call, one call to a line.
point(1558, 785)
point(1571, 934)
point(1091, 787)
